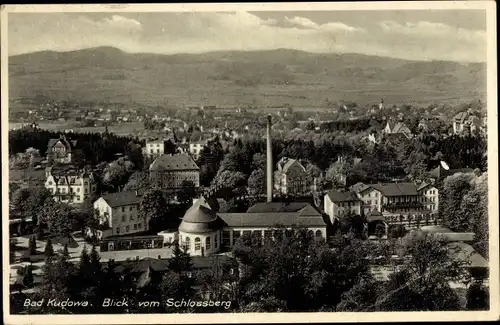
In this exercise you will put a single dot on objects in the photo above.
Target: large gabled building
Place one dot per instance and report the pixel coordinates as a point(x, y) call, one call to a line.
point(290, 177)
point(397, 128)
point(170, 171)
point(69, 185)
point(119, 214)
point(396, 202)
point(61, 150)
point(466, 122)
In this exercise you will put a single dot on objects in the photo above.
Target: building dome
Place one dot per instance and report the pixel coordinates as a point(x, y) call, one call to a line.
point(200, 219)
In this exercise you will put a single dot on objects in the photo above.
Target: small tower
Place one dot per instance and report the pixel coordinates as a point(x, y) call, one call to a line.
point(381, 105)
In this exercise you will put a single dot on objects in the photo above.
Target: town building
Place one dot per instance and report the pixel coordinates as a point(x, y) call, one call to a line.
point(398, 202)
point(204, 231)
point(170, 171)
point(69, 185)
point(338, 204)
point(429, 196)
point(157, 147)
point(466, 122)
point(290, 177)
point(61, 150)
point(119, 214)
point(397, 128)
point(196, 147)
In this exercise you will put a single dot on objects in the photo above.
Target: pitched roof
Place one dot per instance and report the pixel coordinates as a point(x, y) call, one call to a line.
point(286, 163)
point(391, 125)
point(119, 199)
point(265, 207)
point(174, 163)
point(359, 187)
point(271, 219)
point(423, 185)
point(338, 196)
point(460, 117)
point(396, 189)
point(400, 127)
point(465, 252)
point(69, 144)
point(269, 214)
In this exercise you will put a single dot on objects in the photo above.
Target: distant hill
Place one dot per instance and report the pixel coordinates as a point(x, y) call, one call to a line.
point(265, 78)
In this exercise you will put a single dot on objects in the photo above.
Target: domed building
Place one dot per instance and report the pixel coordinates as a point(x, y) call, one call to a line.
point(205, 230)
point(199, 231)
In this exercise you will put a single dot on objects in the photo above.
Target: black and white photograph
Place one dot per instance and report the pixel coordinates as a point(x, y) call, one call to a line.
point(249, 162)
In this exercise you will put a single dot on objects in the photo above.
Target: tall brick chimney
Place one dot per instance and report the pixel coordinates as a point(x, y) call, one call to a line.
point(270, 166)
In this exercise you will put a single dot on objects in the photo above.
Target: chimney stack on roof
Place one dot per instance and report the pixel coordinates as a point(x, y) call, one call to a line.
point(269, 161)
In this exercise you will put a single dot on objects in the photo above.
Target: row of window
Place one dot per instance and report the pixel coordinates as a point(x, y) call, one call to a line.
point(136, 226)
point(197, 243)
point(130, 208)
point(347, 204)
point(124, 217)
point(50, 183)
point(64, 190)
point(268, 234)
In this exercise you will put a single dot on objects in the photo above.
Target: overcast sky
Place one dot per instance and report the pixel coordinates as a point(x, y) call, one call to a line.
point(418, 35)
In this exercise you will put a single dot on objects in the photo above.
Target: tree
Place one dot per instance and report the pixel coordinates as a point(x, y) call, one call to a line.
point(138, 181)
point(49, 250)
point(114, 286)
point(179, 281)
point(84, 267)
point(256, 183)
point(209, 161)
point(355, 224)
point(28, 280)
point(360, 296)
point(231, 180)
point(380, 230)
point(478, 297)
point(303, 273)
point(187, 192)
point(312, 173)
point(337, 173)
point(475, 206)
point(32, 245)
point(116, 173)
point(152, 206)
point(455, 188)
point(259, 161)
point(61, 220)
point(180, 260)
point(423, 281)
point(30, 203)
point(396, 231)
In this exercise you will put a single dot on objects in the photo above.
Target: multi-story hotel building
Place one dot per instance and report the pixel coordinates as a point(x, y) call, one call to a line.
point(69, 185)
point(170, 171)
